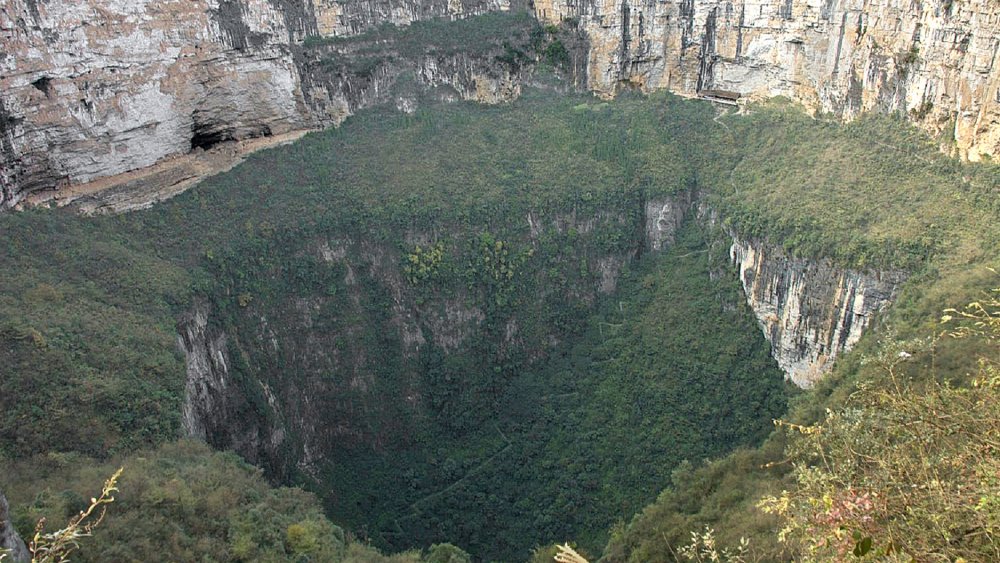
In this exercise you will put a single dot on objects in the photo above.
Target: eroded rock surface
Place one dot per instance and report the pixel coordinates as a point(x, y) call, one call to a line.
point(937, 62)
point(97, 88)
point(10, 542)
point(810, 310)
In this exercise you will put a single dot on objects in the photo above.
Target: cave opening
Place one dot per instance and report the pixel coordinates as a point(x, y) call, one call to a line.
point(205, 138)
point(44, 85)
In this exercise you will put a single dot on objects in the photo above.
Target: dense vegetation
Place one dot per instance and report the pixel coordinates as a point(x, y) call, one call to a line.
point(517, 32)
point(886, 198)
point(563, 409)
point(873, 193)
point(184, 502)
point(459, 181)
point(501, 43)
point(908, 467)
point(587, 436)
point(892, 459)
point(88, 305)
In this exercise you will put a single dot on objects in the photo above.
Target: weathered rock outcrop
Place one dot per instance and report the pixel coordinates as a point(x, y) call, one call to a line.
point(100, 87)
point(97, 88)
point(339, 18)
point(10, 542)
point(809, 310)
point(935, 61)
point(92, 89)
point(664, 217)
point(219, 408)
point(334, 86)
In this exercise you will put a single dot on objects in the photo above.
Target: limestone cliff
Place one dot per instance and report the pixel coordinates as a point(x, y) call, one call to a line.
point(216, 409)
point(664, 217)
point(339, 18)
point(936, 61)
point(810, 310)
point(91, 89)
point(97, 88)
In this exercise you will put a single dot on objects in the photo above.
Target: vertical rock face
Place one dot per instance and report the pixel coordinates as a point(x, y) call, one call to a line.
point(94, 88)
point(287, 392)
point(936, 61)
point(215, 408)
point(664, 216)
point(207, 366)
point(810, 311)
point(10, 542)
point(91, 89)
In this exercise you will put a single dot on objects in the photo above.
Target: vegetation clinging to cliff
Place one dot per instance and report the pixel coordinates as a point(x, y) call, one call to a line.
point(469, 177)
point(89, 304)
point(513, 39)
point(908, 467)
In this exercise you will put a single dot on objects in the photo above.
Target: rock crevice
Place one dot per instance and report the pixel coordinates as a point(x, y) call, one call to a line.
point(936, 63)
point(810, 310)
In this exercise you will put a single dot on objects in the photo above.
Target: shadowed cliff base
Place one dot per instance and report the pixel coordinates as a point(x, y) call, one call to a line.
point(398, 310)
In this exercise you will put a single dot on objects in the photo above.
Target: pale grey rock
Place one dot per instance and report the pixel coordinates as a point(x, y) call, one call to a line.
point(934, 61)
point(664, 217)
point(809, 310)
point(97, 88)
point(217, 407)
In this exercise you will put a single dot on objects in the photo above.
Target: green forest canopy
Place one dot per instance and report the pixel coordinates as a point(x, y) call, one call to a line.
point(88, 305)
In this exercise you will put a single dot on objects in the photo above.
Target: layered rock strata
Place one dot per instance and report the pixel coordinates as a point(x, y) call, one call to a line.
point(809, 310)
point(101, 87)
point(937, 62)
point(97, 88)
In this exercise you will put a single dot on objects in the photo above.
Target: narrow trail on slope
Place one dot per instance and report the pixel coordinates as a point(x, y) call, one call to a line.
point(732, 139)
point(925, 160)
point(723, 113)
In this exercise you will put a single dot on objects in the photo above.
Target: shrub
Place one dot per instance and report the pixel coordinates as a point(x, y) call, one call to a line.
point(906, 469)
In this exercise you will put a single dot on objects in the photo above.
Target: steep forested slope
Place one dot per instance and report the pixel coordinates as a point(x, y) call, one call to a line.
point(405, 315)
point(870, 193)
point(453, 326)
